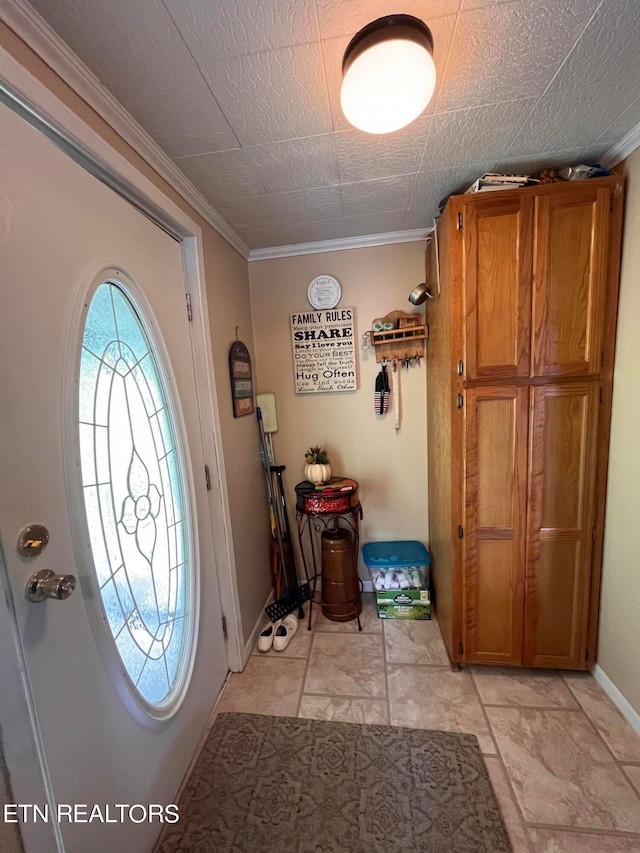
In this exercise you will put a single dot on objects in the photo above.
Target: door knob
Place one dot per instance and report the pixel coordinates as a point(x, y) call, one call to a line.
point(47, 584)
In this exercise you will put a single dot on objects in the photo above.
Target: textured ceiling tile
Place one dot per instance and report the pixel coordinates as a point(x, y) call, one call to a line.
point(606, 59)
point(381, 196)
point(231, 28)
point(247, 212)
point(347, 17)
point(510, 51)
point(431, 187)
point(224, 175)
point(333, 51)
point(314, 232)
point(623, 124)
point(187, 123)
point(296, 163)
point(374, 223)
point(466, 136)
point(535, 163)
point(280, 94)
point(560, 121)
point(306, 205)
point(264, 236)
point(590, 93)
point(362, 156)
point(479, 4)
point(134, 49)
point(284, 84)
point(557, 123)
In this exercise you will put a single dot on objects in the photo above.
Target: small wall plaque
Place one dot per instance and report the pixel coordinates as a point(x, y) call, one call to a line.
point(241, 379)
point(324, 292)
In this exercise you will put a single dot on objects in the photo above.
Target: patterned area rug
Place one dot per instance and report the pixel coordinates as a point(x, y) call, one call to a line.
point(284, 785)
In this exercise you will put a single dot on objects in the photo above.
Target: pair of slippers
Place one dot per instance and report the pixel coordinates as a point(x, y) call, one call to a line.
point(278, 634)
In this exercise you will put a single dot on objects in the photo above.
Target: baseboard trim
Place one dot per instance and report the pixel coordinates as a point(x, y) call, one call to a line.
point(621, 702)
point(253, 638)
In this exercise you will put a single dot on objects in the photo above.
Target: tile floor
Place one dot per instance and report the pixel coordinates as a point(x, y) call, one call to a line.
point(564, 763)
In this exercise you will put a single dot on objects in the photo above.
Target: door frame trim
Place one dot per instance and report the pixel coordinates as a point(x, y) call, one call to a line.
point(17, 84)
point(21, 743)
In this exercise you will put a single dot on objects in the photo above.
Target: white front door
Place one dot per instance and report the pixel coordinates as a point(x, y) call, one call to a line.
point(60, 228)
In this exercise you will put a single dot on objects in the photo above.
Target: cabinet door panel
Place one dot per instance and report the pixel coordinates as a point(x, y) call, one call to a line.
point(495, 483)
point(490, 635)
point(558, 585)
point(570, 278)
point(497, 237)
point(560, 524)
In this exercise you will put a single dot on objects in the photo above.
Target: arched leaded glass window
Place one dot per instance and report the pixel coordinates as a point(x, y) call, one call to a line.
point(134, 496)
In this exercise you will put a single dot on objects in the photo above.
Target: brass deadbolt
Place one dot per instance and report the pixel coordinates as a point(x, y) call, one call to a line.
point(32, 540)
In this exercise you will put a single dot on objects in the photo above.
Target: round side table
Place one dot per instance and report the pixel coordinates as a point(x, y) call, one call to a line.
point(318, 510)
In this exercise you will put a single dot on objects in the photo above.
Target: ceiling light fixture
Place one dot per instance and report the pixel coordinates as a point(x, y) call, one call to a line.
point(388, 74)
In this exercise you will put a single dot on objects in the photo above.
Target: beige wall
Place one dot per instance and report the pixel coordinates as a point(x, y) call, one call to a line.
point(619, 643)
point(229, 307)
point(391, 469)
point(228, 296)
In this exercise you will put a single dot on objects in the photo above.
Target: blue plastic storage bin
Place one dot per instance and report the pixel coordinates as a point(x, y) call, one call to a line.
point(395, 555)
point(399, 573)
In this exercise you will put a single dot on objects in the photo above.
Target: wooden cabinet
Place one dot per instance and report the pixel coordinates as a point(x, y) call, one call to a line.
point(520, 361)
point(497, 245)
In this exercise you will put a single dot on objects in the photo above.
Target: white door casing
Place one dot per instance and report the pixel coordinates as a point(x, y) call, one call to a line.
point(60, 228)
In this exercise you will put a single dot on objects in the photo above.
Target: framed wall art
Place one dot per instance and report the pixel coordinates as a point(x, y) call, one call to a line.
point(241, 379)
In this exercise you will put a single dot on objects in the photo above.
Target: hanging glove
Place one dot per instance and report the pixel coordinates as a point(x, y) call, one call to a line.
point(378, 395)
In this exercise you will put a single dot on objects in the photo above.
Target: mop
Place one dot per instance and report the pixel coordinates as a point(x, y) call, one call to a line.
point(294, 594)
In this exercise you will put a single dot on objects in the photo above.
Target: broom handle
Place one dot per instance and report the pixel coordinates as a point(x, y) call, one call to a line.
point(272, 502)
point(295, 581)
point(277, 470)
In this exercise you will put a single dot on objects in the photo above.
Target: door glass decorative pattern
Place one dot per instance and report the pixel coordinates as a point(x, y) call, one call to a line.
point(134, 496)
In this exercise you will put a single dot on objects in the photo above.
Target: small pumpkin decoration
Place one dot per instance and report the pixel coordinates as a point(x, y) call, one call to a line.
point(317, 469)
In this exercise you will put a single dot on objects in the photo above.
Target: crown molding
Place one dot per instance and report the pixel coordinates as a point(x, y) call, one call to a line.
point(621, 150)
point(340, 244)
point(41, 38)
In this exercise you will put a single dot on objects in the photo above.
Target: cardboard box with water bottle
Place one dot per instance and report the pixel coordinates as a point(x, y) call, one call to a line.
point(400, 575)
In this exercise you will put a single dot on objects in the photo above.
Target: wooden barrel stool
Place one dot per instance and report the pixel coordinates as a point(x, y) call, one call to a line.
point(341, 599)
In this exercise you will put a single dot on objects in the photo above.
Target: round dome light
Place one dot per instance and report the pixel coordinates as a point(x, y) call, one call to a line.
point(388, 74)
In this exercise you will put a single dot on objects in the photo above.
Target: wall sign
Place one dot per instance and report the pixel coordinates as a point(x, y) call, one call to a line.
point(241, 379)
point(324, 356)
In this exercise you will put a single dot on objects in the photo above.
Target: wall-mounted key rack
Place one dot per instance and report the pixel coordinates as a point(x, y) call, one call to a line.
point(404, 340)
